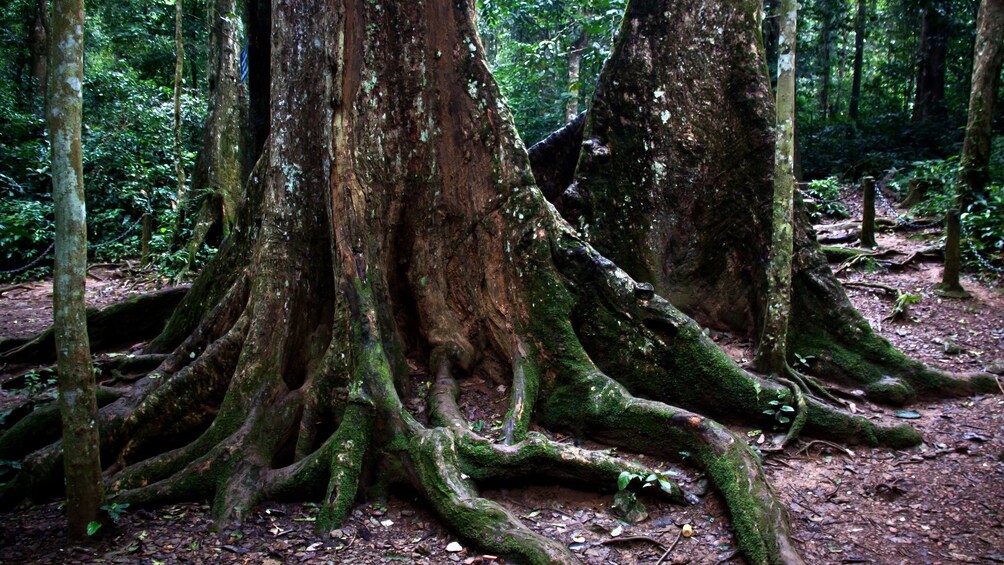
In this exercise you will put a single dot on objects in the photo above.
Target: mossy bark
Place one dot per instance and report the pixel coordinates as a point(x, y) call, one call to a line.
point(674, 184)
point(77, 405)
point(220, 167)
point(393, 217)
point(771, 351)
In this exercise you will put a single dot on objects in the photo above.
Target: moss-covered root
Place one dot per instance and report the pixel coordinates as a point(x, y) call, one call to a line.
point(348, 447)
point(606, 410)
point(522, 396)
point(828, 422)
point(537, 456)
point(451, 493)
point(134, 319)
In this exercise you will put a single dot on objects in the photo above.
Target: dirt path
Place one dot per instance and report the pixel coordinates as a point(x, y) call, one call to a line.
point(942, 502)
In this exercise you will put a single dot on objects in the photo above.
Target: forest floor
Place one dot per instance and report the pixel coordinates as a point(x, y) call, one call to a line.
point(941, 502)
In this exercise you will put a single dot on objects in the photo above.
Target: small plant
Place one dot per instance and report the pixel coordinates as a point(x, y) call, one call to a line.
point(36, 381)
point(114, 510)
point(780, 411)
point(804, 360)
point(901, 308)
point(626, 503)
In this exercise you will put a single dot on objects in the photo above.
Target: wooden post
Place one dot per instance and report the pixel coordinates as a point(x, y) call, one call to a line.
point(145, 241)
point(950, 286)
point(868, 213)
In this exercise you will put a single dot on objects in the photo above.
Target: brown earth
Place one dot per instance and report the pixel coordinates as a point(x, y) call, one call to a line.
point(942, 502)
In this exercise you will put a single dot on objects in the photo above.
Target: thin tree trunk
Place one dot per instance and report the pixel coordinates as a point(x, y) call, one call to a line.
point(825, 59)
point(179, 78)
point(574, 62)
point(772, 355)
point(838, 104)
point(39, 43)
point(859, 54)
point(78, 407)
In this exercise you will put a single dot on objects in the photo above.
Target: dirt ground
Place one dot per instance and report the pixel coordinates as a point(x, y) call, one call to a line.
point(939, 503)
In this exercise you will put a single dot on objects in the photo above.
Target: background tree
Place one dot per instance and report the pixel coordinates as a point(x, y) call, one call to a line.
point(546, 56)
point(975, 161)
point(220, 169)
point(77, 405)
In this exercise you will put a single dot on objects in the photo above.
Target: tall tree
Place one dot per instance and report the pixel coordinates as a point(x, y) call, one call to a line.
point(394, 218)
point(179, 84)
point(220, 167)
point(929, 100)
point(860, 24)
point(39, 47)
point(975, 160)
point(825, 56)
point(987, 61)
point(78, 407)
point(772, 355)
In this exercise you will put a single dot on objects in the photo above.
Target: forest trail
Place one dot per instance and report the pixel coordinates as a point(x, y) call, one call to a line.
point(942, 502)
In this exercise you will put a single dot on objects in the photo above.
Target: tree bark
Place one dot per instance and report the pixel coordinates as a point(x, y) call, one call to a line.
point(825, 57)
point(39, 46)
point(929, 101)
point(975, 160)
point(574, 61)
point(181, 192)
point(78, 407)
point(393, 219)
point(859, 55)
point(220, 166)
point(987, 61)
point(771, 354)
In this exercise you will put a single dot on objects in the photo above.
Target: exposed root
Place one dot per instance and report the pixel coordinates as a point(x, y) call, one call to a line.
point(522, 396)
point(455, 499)
point(609, 412)
point(135, 319)
point(537, 457)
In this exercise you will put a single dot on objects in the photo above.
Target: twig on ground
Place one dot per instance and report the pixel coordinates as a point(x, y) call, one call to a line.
point(666, 553)
point(876, 286)
point(808, 445)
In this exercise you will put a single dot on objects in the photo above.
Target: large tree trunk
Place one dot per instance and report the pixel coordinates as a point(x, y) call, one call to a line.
point(393, 218)
point(674, 184)
point(987, 61)
point(77, 404)
point(220, 168)
point(929, 101)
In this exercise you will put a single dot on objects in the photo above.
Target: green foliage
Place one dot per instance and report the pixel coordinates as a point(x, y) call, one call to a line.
point(127, 132)
point(885, 134)
point(529, 45)
point(780, 411)
point(824, 193)
point(982, 219)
